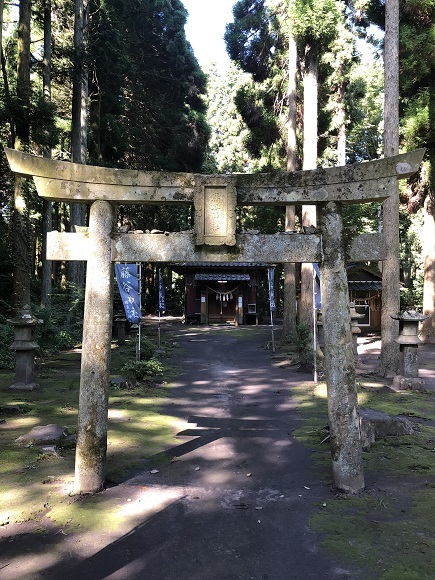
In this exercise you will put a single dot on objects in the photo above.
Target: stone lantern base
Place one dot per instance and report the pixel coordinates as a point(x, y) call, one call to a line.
point(401, 383)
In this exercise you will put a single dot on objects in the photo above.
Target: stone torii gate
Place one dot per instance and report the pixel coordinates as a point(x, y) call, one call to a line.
point(214, 240)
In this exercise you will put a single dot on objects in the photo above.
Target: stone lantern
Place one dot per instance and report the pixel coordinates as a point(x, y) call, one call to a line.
point(354, 317)
point(25, 347)
point(320, 334)
point(120, 324)
point(409, 342)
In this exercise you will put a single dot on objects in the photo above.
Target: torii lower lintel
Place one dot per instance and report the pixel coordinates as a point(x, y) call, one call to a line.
point(181, 247)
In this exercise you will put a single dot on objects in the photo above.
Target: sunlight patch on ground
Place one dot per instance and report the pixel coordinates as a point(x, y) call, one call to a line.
point(21, 423)
point(152, 499)
point(29, 565)
point(116, 413)
point(321, 391)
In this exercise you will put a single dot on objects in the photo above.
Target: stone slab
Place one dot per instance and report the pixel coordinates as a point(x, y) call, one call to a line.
point(25, 387)
point(180, 247)
point(44, 434)
point(358, 183)
point(377, 424)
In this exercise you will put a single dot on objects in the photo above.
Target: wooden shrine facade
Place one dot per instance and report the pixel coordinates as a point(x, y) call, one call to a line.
point(221, 293)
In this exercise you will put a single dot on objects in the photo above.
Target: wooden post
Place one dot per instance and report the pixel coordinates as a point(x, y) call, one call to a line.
point(346, 450)
point(95, 367)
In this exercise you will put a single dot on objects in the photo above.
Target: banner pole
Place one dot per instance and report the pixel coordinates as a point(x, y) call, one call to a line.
point(138, 353)
point(314, 326)
point(270, 279)
point(158, 331)
point(271, 326)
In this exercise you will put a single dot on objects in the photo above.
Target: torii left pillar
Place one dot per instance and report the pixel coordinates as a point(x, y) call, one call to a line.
point(95, 368)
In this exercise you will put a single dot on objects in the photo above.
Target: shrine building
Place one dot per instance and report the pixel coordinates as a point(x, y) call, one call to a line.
point(221, 293)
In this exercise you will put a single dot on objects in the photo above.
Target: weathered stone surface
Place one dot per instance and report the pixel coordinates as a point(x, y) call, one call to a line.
point(32, 386)
point(383, 425)
point(180, 247)
point(401, 383)
point(346, 449)
point(62, 189)
point(44, 434)
point(356, 183)
point(97, 331)
point(215, 211)
point(372, 245)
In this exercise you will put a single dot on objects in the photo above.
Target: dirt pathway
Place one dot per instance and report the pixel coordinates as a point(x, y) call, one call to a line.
point(235, 501)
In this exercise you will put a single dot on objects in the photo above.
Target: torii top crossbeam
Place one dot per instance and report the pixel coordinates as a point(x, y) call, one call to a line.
point(358, 183)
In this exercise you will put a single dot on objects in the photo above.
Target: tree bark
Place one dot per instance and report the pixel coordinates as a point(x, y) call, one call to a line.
point(21, 231)
point(389, 364)
point(79, 128)
point(428, 237)
point(341, 121)
point(47, 206)
point(346, 449)
point(310, 162)
point(289, 313)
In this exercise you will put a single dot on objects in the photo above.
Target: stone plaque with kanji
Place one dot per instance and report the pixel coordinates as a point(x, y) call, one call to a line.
point(215, 202)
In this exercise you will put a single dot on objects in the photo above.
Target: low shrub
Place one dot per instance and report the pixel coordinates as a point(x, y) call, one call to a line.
point(139, 370)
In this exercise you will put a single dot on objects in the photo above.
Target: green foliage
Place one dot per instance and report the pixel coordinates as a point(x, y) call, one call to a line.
point(150, 111)
point(315, 21)
point(411, 261)
point(256, 110)
point(364, 104)
point(139, 370)
point(7, 356)
point(252, 36)
point(147, 347)
point(362, 218)
point(226, 151)
point(302, 340)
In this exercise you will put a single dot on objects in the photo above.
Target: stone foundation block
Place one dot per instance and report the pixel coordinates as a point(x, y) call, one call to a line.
point(377, 424)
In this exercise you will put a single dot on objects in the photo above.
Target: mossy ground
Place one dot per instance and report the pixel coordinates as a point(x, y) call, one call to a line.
point(386, 530)
point(32, 482)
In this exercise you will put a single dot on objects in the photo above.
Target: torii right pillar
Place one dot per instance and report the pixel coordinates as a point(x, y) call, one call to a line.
point(345, 438)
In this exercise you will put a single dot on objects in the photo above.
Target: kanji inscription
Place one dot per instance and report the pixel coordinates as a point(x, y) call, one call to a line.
point(215, 202)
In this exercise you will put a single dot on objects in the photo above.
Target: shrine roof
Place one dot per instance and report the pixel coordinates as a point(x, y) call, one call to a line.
point(216, 276)
point(365, 284)
point(219, 265)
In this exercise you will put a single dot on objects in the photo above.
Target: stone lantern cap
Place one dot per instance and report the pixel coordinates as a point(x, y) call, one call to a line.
point(24, 328)
point(409, 322)
point(410, 316)
point(25, 318)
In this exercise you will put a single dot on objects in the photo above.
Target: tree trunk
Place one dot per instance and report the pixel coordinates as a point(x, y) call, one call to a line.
point(310, 162)
point(289, 313)
point(11, 137)
point(389, 364)
point(47, 206)
point(428, 237)
point(428, 327)
point(21, 231)
point(341, 121)
point(79, 129)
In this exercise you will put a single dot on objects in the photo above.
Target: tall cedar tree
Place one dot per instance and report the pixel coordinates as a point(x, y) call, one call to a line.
point(417, 125)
